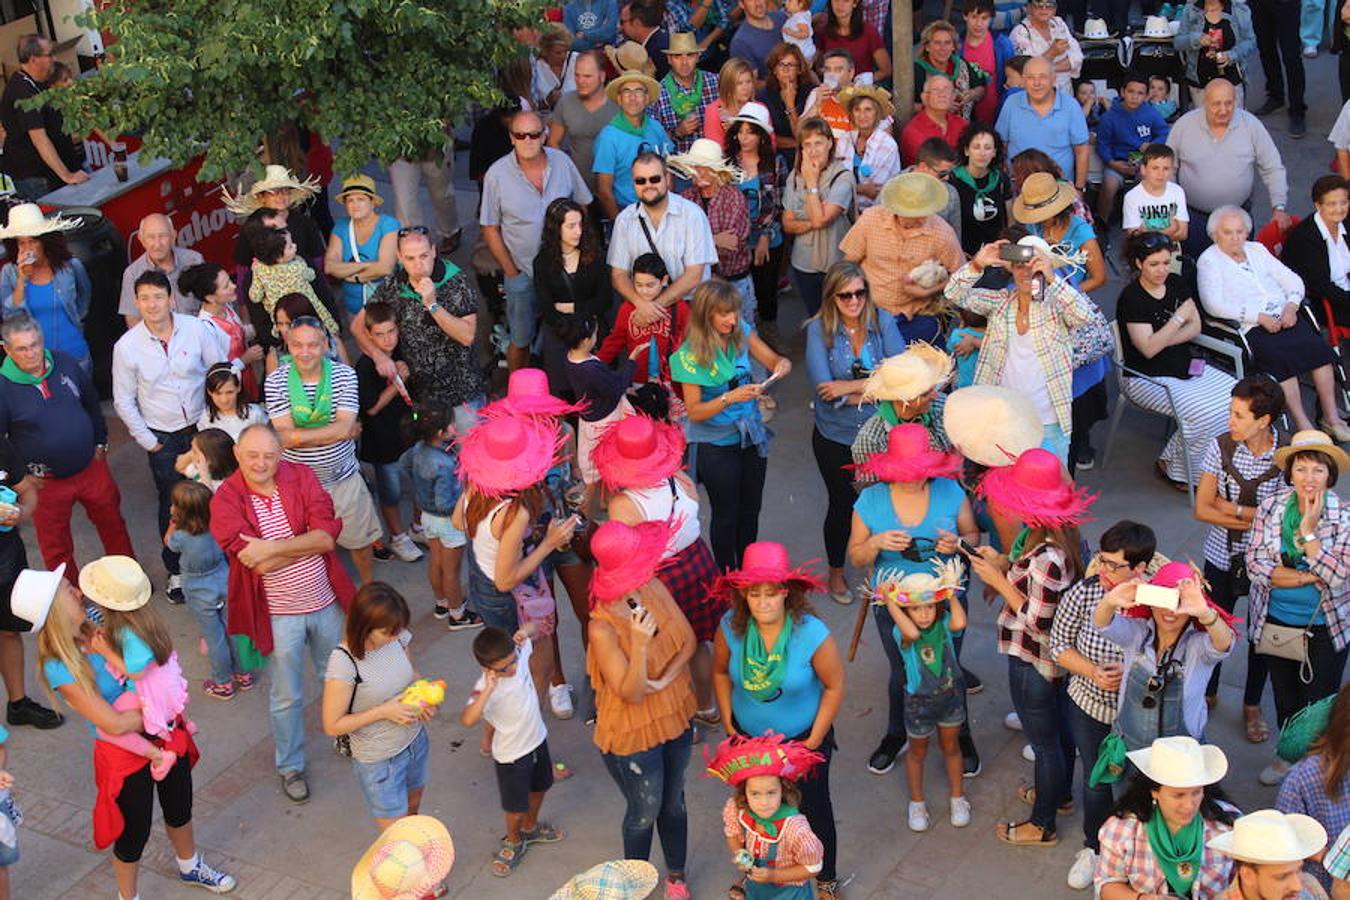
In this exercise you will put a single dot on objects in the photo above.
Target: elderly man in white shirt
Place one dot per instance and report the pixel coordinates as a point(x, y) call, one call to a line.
point(159, 375)
point(1241, 280)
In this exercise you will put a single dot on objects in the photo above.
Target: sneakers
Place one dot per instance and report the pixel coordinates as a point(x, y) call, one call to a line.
point(294, 786)
point(416, 532)
point(560, 700)
point(1298, 124)
point(404, 548)
point(1269, 106)
point(1274, 773)
point(1080, 873)
point(203, 876)
point(960, 812)
point(469, 620)
point(244, 681)
point(173, 591)
point(440, 612)
point(1310, 51)
point(29, 712)
point(973, 683)
point(918, 816)
point(1028, 754)
point(1085, 459)
point(970, 757)
point(218, 689)
point(883, 758)
point(1012, 721)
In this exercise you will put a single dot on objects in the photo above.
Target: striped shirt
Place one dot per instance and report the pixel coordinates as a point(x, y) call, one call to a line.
point(1073, 630)
point(333, 462)
point(1217, 552)
point(303, 586)
point(384, 673)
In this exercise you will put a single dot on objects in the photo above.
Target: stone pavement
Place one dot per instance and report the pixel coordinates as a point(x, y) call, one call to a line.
point(280, 851)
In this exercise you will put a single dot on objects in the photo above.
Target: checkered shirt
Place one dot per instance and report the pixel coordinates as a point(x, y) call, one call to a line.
point(1073, 630)
point(1304, 791)
point(1216, 541)
point(1337, 860)
point(1025, 634)
point(727, 212)
point(664, 111)
point(874, 14)
point(679, 12)
point(886, 252)
point(1126, 858)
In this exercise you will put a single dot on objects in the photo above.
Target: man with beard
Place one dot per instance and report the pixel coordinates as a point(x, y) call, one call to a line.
point(1269, 848)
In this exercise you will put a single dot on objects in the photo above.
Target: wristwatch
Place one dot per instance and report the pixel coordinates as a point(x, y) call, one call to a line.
point(1307, 538)
point(433, 307)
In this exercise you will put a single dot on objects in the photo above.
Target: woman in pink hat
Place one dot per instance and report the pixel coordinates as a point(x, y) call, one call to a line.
point(639, 460)
point(777, 669)
point(638, 659)
point(1044, 560)
point(901, 526)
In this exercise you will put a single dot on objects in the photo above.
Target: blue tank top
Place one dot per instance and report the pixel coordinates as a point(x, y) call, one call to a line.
point(878, 514)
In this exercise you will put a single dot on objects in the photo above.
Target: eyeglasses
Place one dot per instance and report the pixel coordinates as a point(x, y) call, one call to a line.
point(786, 64)
point(641, 180)
point(413, 229)
point(851, 295)
point(501, 670)
point(1110, 565)
point(633, 89)
point(527, 135)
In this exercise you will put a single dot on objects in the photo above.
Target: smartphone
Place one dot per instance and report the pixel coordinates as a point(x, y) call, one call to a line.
point(638, 607)
point(1160, 597)
point(765, 384)
point(1016, 253)
point(966, 547)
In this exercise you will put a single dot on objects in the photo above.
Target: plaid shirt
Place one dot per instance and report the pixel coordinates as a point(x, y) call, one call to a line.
point(1025, 634)
point(1304, 791)
point(1332, 565)
point(886, 252)
point(679, 12)
point(874, 14)
point(727, 212)
point(1073, 630)
point(1337, 860)
point(664, 111)
point(1311, 890)
point(1216, 540)
point(1063, 308)
point(1126, 858)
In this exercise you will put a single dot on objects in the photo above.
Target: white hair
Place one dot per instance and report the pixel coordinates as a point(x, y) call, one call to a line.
point(1223, 212)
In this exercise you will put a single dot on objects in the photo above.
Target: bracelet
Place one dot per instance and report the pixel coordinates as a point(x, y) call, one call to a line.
point(1211, 621)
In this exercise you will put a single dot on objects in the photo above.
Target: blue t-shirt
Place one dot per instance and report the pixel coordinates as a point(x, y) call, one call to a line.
point(1297, 605)
point(793, 711)
point(616, 149)
point(874, 507)
point(1078, 234)
point(965, 365)
point(354, 295)
point(58, 331)
point(109, 688)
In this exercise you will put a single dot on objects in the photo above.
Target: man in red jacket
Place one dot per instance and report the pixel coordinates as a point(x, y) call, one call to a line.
point(288, 591)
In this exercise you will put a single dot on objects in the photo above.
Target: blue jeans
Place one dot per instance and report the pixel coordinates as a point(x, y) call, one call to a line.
point(652, 782)
point(522, 309)
point(1088, 735)
point(497, 608)
point(386, 784)
point(172, 445)
point(1039, 704)
point(205, 596)
point(809, 286)
point(388, 483)
point(291, 635)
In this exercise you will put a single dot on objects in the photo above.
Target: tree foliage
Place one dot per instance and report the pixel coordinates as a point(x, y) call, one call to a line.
point(375, 77)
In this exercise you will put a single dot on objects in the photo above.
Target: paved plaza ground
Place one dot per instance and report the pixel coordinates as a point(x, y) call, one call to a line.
point(281, 851)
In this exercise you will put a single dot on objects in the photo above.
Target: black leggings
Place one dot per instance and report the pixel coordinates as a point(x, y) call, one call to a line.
point(734, 477)
point(765, 279)
point(137, 803)
point(831, 458)
point(1221, 592)
point(818, 807)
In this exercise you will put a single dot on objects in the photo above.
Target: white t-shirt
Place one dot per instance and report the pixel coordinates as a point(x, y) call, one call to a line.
point(513, 710)
point(1144, 210)
point(806, 44)
point(1340, 132)
point(1022, 372)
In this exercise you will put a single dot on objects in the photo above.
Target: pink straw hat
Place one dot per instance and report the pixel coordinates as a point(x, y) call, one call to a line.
point(1170, 576)
point(504, 455)
point(909, 456)
point(527, 395)
point(1034, 490)
point(627, 556)
point(766, 562)
point(638, 452)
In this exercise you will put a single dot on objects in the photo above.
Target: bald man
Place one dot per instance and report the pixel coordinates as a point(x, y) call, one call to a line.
point(158, 236)
point(1047, 119)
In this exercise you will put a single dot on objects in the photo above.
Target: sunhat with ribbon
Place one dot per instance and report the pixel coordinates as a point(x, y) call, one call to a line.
point(33, 593)
point(755, 113)
point(408, 862)
point(740, 758)
point(116, 582)
point(630, 56)
point(909, 456)
point(527, 395)
point(627, 556)
point(1042, 197)
point(1270, 836)
point(653, 87)
point(767, 562)
point(1180, 762)
point(909, 375)
point(637, 452)
point(507, 454)
point(274, 178)
point(913, 195)
point(1034, 490)
point(704, 153)
point(28, 220)
point(363, 185)
point(1156, 28)
point(878, 95)
point(1096, 30)
point(683, 43)
point(1171, 575)
point(618, 879)
point(1311, 439)
point(910, 589)
point(991, 425)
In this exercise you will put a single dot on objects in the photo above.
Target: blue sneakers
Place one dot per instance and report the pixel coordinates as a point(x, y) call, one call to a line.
point(203, 876)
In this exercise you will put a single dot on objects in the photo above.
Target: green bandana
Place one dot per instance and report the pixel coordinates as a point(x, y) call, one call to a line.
point(684, 368)
point(930, 646)
point(769, 827)
point(1290, 526)
point(963, 175)
point(1179, 854)
point(306, 413)
point(1019, 544)
point(620, 121)
point(762, 670)
point(886, 409)
point(1110, 761)
point(10, 369)
point(451, 270)
point(682, 101)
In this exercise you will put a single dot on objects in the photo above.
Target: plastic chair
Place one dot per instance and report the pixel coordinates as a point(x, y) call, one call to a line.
point(1173, 421)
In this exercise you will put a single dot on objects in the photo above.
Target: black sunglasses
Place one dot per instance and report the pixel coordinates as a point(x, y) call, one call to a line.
point(1153, 241)
point(413, 229)
point(640, 180)
point(1157, 682)
point(851, 295)
point(308, 322)
point(920, 549)
point(527, 135)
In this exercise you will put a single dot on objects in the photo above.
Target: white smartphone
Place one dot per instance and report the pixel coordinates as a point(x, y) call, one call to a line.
point(1161, 597)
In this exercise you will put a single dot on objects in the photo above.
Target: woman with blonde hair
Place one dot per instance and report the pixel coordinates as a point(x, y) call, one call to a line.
point(735, 88)
point(939, 55)
point(817, 201)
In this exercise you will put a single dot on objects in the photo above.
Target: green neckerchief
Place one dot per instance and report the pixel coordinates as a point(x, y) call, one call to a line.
point(963, 175)
point(620, 121)
point(930, 646)
point(1111, 760)
point(681, 101)
point(769, 826)
point(889, 415)
point(1179, 854)
point(934, 70)
point(450, 271)
point(762, 670)
point(684, 368)
point(1019, 544)
point(1290, 526)
point(10, 369)
point(306, 413)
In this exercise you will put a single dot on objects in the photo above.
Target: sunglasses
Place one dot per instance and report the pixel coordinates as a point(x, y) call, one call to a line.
point(308, 322)
point(851, 295)
point(921, 549)
point(1158, 682)
point(641, 180)
point(1153, 241)
point(413, 229)
point(527, 135)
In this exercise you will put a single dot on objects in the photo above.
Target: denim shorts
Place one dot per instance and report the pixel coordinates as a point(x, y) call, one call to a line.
point(387, 783)
point(443, 530)
point(522, 309)
point(388, 483)
point(496, 608)
point(925, 712)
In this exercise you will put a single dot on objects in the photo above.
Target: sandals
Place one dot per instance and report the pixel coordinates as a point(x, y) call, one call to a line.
point(508, 857)
point(711, 717)
point(1160, 468)
point(1254, 725)
point(542, 833)
point(1025, 834)
point(1027, 794)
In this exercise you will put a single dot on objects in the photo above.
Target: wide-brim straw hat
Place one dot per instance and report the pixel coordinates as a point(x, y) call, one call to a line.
point(1034, 490)
point(767, 562)
point(1180, 762)
point(1156, 28)
point(910, 456)
point(754, 113)
point(408, 862)
point(33, 594)
point(683, 43)
point(878, 95)
point(507, 454)
point(527, 394)
point(1096, 30)
point(909, 375)
point(28, 220)
point(628, 556)
point(1042, 197)
point(274, 178)
point(651, 84)
point(1269, 836)
point(638, 452)
point(908, 590)
point(618, 879)
point(116, 582)
point(913, 195)
point(360, 184)
point(704, 153)
point(991, 425)
point(630, 57)
point(1312, 439)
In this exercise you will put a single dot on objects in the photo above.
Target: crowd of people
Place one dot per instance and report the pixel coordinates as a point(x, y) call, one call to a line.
point(662, 172)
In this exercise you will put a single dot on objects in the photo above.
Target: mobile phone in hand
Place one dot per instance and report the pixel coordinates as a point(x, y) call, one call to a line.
point(966, 547)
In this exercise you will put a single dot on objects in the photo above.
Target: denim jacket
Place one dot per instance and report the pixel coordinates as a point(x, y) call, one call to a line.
point(1187, 39)
point(436, 483)
point(840, 421)
point(72, 287)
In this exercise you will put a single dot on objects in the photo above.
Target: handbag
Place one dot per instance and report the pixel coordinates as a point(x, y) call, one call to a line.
point(1288, 642)
point(1092, 340)
point(342, 744)
point(366, 287)
point(1239, 580)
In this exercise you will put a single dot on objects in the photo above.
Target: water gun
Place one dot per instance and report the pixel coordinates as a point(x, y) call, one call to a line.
point(422, 693)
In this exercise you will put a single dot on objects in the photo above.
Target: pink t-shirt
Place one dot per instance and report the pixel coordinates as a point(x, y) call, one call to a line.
point(983, 56)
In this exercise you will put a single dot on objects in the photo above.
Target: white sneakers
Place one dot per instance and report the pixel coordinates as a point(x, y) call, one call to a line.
point(1028, 754)
point(960, 812)
point(1012, 721)
point(404, 548)
point(1080, 873)
point(918, 816)
point(560, 700)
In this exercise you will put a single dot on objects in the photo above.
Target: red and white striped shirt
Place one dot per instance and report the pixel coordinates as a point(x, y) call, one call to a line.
point(301, 587)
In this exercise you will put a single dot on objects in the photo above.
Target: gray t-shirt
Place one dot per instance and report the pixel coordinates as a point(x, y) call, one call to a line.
point(384, 674)
point(582, 126)
point(816, 251)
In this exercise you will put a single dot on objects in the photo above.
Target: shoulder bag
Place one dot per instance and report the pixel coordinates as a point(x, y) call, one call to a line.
point(1240, 583)
point(343, 742)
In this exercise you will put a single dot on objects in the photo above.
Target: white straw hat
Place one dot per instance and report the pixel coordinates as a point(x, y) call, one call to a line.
point(991, 425)
point(28, 220)
point(33, 593)
point(1270, 836)
point(116, 582)
point(1181, 762)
